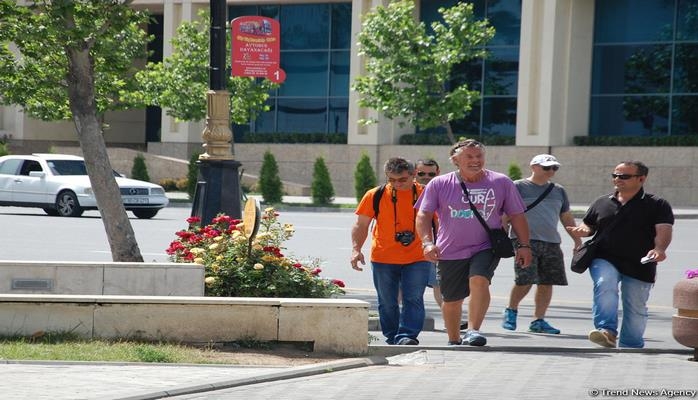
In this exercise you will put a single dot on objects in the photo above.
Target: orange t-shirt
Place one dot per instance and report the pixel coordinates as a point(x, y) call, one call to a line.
point(384, 248)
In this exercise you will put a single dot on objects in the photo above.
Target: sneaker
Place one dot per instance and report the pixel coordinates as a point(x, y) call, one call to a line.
point(509, 319)
point(456, 343)
point(541, 326)
point(406, 341)
point(474, 338)
point(464, 326)
point(603, 338)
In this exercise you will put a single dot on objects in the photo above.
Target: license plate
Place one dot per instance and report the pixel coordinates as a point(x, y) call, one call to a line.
point(135, 200)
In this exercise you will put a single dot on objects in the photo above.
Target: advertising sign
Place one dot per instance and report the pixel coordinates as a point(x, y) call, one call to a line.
point(256, 48)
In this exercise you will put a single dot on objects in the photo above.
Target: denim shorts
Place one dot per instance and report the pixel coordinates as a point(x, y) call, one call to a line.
point(433, 280)
point(454, 275)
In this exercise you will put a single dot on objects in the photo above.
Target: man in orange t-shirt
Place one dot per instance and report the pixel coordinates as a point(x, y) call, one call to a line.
point(397, 259)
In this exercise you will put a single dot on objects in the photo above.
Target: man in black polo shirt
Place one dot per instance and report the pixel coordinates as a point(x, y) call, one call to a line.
point(642, 228)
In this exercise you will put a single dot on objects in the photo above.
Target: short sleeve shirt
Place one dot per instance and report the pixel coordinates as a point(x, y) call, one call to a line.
point(543, 218)
point(460, 234)
point(384, 248)
point(633, 236)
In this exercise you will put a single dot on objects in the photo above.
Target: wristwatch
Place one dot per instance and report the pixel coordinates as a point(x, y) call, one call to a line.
point(520, 245)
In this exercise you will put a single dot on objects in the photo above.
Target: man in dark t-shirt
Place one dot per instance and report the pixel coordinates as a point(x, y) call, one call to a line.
point(627, 255)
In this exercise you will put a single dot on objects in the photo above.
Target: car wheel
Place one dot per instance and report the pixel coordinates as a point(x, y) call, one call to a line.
point(67, 204)
point(146, 213)
point(51, 211)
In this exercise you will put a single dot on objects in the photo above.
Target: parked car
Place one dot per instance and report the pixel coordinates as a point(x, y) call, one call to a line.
point(58, 183)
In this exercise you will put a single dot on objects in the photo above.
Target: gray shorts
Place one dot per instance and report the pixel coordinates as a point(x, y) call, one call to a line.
point(547, 266)
point(454, 275)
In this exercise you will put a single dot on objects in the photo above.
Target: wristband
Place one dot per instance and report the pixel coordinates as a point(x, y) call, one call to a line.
point(425, 244)
point(526, 246)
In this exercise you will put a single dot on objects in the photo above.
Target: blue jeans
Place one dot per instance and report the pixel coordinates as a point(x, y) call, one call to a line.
point(412, 279)
point(634, 294)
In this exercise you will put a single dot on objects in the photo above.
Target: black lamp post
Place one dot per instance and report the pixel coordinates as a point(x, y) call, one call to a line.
point(218, 185)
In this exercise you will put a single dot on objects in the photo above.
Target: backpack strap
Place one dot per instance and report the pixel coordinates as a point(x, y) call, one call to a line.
point(377, 200)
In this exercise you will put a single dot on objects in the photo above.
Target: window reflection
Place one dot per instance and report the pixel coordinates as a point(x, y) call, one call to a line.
point(636, 46)
point(302, 115)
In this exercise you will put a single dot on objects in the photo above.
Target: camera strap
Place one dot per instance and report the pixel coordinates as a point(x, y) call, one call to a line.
point(393, 197)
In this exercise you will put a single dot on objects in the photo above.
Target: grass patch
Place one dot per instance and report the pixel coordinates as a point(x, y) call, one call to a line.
point(68, 347)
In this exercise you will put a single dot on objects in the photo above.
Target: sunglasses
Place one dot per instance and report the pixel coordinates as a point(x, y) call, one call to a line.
point(623, 177)
point(549, 167)
point(431, 174)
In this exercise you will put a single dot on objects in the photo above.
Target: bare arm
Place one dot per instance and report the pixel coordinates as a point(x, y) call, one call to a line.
point(661, 242)
point(425, 234)
point(579, 231)
point(359, 233)
point(568, 221)
point(520, 226)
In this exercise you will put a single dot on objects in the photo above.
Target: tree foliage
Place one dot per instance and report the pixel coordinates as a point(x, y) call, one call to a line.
point(364, 177)
point(321, 188)
point(269, 182)
point(44, 32)
point(179, 83)
point(408, 72)
point(514, 171)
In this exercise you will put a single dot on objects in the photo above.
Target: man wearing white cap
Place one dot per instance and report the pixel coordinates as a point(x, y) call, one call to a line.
point(547, 203)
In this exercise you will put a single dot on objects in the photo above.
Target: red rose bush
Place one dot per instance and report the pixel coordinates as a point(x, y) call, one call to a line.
point(234, 268)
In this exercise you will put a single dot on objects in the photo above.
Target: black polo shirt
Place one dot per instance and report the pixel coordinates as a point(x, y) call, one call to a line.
point(633, 235)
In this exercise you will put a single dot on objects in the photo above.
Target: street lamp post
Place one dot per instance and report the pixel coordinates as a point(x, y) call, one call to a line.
point(218, 185)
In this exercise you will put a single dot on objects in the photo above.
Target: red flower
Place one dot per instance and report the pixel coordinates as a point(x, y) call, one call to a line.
point(298, 266)
point(316, 271)
point(338, 282)
point(193, 220)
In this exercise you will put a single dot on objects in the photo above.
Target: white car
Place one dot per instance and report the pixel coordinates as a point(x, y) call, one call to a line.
point(59, 184)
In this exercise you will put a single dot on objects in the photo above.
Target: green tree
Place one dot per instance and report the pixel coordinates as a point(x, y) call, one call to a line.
point(75, 58)
point(321, 189)
point(269, 181)
point(408, 72)
point(364, 177)
point(179, 83)
point(514, 171)
point(139, 170)
point(192, 175)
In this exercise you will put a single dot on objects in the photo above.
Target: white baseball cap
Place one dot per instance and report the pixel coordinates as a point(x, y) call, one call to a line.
point(544, 160)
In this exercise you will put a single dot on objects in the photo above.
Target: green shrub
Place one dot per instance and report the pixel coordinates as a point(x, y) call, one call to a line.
point(651, 141)
point(269, 181)
point(182, 184)
point(321, 189)
point(192, 175)
point(364, 177)
point(139, 170)
point(168, 184)
point(290, 137)
point(3, 149)
point(514, 171)
point(441, 139)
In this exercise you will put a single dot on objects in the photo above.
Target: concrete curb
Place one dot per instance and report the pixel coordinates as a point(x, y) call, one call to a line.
point(390, 351)
point(290, 373)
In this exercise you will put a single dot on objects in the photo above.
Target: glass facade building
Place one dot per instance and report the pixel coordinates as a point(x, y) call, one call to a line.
point(645, 68)
point(315, 47)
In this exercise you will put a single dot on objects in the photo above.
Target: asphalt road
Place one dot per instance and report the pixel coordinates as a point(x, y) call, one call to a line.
point(29, 234)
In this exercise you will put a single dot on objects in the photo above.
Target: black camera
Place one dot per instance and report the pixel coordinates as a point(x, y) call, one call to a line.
point(405, 237)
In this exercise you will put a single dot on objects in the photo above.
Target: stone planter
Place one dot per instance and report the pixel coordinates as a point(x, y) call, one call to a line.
point(685, 323)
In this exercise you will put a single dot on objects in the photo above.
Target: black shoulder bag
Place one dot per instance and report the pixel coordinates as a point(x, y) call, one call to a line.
point(581, 259)
point(501, 244)
point(541, 197)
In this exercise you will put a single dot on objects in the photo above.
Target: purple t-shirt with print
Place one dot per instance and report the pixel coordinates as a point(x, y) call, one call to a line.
point(460, 233)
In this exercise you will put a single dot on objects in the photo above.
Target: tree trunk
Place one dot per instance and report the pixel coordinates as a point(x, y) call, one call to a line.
point(449, 132)
point(122, 239)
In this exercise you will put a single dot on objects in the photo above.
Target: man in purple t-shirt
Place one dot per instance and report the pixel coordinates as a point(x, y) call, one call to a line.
point(463, 249)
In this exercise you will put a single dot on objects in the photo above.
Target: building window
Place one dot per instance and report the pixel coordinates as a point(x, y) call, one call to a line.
point(645, 68)
point(315, 47)
point(497, 77)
